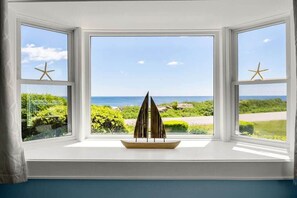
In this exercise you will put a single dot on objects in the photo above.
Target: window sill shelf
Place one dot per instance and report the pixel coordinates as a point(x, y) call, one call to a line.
point(193, 159)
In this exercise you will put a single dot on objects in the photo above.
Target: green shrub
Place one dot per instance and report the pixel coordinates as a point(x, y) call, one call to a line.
point(130, 112)
point(130, 129)
point(201, 129)
point(51, 122)
point(39, 102)
point(32, 104)
point(246, 128)
point(106, 120)
point(174, 105)
point(258, 106)
point(55, 117)
point(199, 109)
point(176, 126)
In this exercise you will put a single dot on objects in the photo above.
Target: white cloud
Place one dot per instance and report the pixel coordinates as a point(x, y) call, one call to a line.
point(174, 63)
point(141, 62)
point(42, 64)
point(34, 53)
point(266, 40)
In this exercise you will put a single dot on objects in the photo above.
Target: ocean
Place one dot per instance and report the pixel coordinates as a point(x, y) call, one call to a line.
point(120, 101)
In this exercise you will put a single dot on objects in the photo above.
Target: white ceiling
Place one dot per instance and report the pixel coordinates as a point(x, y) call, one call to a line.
point(207, 14)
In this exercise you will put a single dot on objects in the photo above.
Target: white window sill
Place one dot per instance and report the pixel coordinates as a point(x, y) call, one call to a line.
point(193, 159)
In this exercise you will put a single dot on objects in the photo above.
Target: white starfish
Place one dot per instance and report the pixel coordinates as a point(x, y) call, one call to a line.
point(258, 72)
point(45, 72)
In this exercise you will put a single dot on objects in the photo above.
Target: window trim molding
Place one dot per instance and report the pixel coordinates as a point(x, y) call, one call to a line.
point(233, 68)
point(88, 34)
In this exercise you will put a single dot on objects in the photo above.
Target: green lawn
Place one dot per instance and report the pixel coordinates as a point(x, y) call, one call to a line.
point(193, 129)
point(275, 130)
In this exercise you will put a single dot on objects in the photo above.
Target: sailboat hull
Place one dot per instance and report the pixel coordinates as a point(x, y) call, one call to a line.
point(150, 145)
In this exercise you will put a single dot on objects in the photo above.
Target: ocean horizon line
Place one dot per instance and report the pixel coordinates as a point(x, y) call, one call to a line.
point(194, 96)
point(121, 101)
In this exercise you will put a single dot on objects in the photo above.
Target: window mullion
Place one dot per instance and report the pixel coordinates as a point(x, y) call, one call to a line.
point(255, 82)
point(46, 82)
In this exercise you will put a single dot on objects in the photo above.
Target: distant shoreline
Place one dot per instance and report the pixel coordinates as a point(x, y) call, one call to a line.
point(121, 101)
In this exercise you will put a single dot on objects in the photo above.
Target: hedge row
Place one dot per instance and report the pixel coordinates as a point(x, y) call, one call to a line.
point(246, 128)
point(176, 126)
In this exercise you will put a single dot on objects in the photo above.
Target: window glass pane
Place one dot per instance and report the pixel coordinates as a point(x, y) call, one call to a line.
point(266, 46)
point(42, 47)
point(262, 111)
point(44, 111)
point(177, 71)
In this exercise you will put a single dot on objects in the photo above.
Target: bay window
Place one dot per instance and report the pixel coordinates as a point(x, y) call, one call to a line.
point(181, 71)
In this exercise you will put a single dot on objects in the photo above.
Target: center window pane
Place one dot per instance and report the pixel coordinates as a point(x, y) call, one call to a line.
point(176, 70)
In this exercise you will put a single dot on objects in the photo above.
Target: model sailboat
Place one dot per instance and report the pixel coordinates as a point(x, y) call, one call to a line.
point(157, 129)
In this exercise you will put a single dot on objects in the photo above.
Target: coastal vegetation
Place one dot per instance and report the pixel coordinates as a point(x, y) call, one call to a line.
point(275, 130)
point(246, 128)
point(45, 115)
point(206, 108)
point(106, 120)
point(176, 126)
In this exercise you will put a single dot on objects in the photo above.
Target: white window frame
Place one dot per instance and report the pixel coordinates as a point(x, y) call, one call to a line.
point(135, 33)
point(224, 70)
point(69, 83)
point(235, 83)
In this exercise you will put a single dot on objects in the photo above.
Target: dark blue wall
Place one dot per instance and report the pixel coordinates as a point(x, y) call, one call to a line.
point(149, 189)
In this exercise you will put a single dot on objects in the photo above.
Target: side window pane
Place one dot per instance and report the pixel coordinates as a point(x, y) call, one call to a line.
point(262, 111)
point(42, 47)
point(266, 46)
point(44, 111)
point(177, 71)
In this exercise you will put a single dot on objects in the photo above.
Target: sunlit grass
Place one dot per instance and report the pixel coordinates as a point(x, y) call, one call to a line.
point(274, 130)
point(193, 129)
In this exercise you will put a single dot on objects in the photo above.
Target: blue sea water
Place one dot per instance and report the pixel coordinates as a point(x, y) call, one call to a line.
point(120, 101)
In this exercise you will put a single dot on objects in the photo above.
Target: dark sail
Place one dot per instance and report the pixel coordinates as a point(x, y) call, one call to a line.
point(141, 127)
point(157, 127)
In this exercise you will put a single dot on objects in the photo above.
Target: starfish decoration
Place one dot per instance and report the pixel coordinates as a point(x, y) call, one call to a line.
point(45, 72)
point(258, 72)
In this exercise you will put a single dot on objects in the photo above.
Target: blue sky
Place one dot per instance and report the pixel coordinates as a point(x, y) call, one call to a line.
point(268, 46)
point(165, 66)
point(40, 46)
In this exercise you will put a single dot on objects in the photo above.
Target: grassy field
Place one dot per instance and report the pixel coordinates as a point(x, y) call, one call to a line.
point(193, 129)
point(275, 130)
